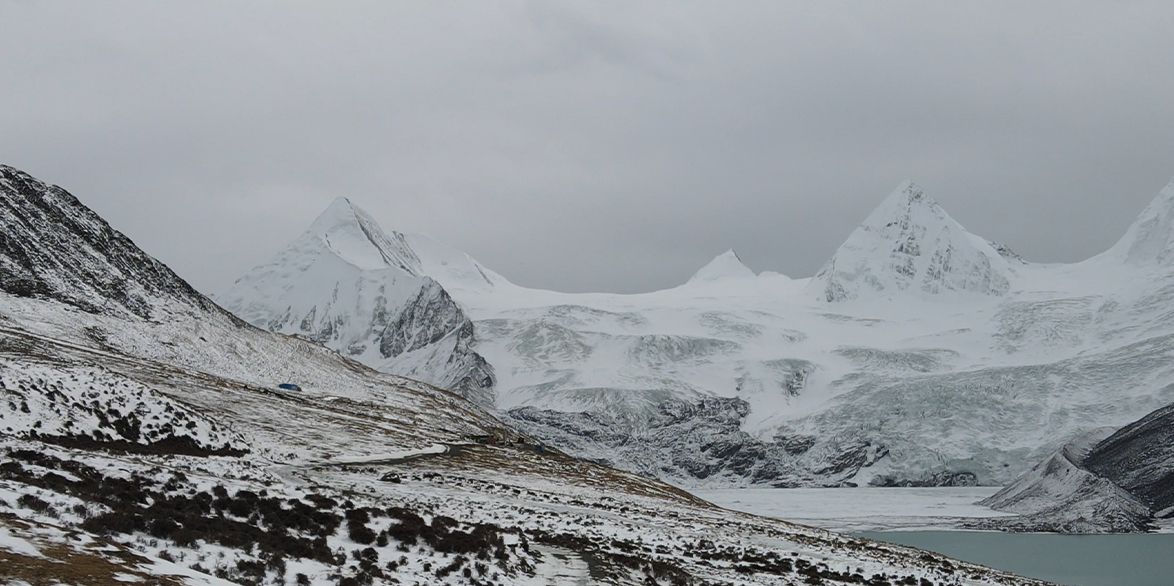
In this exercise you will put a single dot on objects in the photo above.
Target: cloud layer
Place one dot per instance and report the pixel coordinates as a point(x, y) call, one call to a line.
point(609, 146)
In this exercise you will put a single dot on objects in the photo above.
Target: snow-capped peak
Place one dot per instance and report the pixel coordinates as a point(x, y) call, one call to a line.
point(901, 203)
point(365, 292)
point(1151, 237)
point(726, 265)
point(909, 243)
point(354, 236)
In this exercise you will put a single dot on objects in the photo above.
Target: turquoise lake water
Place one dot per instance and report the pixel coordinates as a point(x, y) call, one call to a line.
point(1072, 560)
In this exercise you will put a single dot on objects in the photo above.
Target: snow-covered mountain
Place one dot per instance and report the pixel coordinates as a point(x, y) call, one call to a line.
point(1150, 240)
point(351, 286)
point(143, 438)
point(909, 243)
point(920, 354)
point(941, 358)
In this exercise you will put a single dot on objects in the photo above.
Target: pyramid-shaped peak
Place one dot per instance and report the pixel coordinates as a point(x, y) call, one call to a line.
point(908, 191)
point(1150, 239)
point(907, 202)
point(340, 214)
point(909, 243)
point(357, 238)
point(726, 265)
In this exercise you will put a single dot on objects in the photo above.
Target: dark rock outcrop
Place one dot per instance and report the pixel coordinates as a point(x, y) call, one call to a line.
point(1140, 459)
point(696, 442)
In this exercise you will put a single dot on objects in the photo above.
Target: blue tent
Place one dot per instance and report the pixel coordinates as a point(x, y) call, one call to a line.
point(289, 387)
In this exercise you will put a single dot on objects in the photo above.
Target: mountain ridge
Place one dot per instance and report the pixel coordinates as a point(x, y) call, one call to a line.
point(54, 247)
point(1150, 238)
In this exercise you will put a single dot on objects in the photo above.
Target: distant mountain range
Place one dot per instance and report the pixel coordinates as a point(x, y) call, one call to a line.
point(919, 355)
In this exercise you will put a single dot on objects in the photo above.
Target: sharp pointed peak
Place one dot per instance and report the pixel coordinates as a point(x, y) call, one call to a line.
point(910, 242)
point(909, 189)
point(340, 210)
point(352, 234)
point(728, 256)
point(723, 266)
point(907, 196)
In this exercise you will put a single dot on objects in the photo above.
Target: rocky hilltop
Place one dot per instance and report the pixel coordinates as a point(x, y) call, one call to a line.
point(53, 247)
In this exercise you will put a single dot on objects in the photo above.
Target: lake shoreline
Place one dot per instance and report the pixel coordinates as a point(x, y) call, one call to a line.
point(931, 519)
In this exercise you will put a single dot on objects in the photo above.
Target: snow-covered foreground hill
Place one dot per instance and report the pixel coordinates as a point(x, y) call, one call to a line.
point(920, 354)
point(143, 438)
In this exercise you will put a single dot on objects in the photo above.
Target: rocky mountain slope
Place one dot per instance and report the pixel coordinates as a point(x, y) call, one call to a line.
point(105, 271)
point(349, 285)
point(1104, 482)
point(160, 450)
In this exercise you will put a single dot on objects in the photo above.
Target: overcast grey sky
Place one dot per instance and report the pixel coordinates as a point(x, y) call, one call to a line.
point(606, 146)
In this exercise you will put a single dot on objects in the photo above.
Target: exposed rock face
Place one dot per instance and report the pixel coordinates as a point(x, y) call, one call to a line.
point(698, 443)
point(351, 286)
point(1059, 495)
point(53, 247)
point(909, 243)
point(425, 319)
point(1140, 459)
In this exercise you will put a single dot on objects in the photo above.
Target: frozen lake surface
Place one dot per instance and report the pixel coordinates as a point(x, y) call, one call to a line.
point(859, 509)
point(1076, 560)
